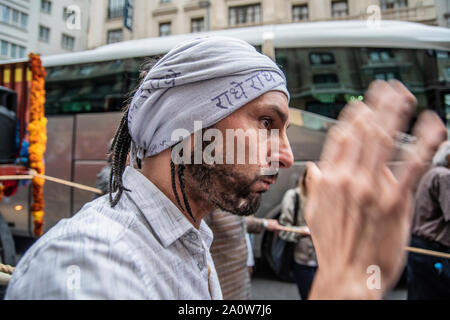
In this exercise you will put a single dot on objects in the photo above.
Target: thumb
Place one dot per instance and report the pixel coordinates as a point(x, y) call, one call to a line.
point(313, 175)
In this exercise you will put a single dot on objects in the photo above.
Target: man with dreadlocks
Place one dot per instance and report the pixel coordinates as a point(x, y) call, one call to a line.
point(147, 239)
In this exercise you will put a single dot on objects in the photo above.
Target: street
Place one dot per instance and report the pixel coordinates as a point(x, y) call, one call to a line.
point(265, 286)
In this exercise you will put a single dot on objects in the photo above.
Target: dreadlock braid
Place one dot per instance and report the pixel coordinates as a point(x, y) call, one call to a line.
point(120, 146)
point(174, 186)
point(181, 180)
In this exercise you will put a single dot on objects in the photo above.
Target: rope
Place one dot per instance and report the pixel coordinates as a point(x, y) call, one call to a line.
point(410, 249)
point(57, 180)
point(16, 177)
point(428, 252)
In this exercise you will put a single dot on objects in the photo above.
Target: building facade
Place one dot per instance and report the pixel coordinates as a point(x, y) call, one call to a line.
point(42, 26)
point(153, 18)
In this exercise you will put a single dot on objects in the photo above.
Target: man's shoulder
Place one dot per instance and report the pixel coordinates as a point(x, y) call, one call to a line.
point(96, 224)
point(95, 234)
point(97, 218)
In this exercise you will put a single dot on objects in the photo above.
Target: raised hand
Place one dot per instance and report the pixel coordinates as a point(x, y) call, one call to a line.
point(358, 209)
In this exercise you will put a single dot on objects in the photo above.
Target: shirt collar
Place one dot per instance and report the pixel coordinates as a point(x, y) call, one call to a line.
point(165, 219)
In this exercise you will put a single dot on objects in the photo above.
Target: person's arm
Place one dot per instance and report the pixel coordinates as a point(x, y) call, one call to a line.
point(258, 225)
point(254, 225)
point(444, 199)
point(358, 211)
point(287, 216)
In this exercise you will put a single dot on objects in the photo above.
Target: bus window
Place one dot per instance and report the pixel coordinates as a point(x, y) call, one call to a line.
point(380, 55)
point(447, 110)
point(386, 74)
point(326, 89)
point(321, 58)
point(87, 87)
point(325, 79)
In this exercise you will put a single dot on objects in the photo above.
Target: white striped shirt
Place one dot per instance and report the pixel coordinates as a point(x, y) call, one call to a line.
point(144, 248)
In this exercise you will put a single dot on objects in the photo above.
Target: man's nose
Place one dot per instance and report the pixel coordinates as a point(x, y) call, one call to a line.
point(284, 156)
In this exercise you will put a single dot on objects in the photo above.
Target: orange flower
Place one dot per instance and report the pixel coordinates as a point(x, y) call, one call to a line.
point(38, 139)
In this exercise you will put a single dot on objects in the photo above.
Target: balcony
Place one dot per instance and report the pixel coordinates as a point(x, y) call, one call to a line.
point(425, 14)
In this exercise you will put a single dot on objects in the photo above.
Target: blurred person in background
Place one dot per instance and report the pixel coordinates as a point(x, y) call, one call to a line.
point(231, 250)
point(428, 276)
point(102, 181)
point(305, 260)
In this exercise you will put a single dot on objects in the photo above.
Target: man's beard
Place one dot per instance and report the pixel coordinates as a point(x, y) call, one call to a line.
point(224, 187)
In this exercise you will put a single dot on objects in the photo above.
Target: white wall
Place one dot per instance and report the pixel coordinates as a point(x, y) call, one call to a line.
point(29, 37)
point(16, 34)
point(74, 27)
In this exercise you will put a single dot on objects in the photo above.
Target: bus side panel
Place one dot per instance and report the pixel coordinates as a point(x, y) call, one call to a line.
point(93, 134)
point(58, 163)
point(85, 172)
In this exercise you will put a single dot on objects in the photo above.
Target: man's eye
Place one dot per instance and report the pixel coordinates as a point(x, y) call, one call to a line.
point(266, 122)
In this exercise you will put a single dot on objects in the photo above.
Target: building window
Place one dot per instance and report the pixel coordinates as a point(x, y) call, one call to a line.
point(321, 58)
point(165, 1)
point(4, 48)
point(300, 13)
point(164, 29)
point(325, 78)
point(67, 13)
point(44, 33)
point(16, 50)
point(13, 17)
point(5, 14)
point(46, 6)
point(13, 50)
point(116, 9)
point(197, 25)
point(21, 52)
point(115, 36)
point(250, 14)
point(393, 4)
point(386, 75)
point(67, 42)
point(383, 55)
point(24, 20)
point(339, 8)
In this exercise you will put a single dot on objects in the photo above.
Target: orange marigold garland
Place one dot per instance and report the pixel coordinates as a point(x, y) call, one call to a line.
point(37, 130)
point(2, 189)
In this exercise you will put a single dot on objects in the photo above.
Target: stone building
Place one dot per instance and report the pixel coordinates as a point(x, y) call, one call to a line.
point(153, 18)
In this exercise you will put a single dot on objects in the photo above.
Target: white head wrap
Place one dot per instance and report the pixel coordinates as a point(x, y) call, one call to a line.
point(440, 158)
point(204, 79)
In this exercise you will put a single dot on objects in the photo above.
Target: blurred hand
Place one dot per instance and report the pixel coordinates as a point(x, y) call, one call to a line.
point(358, 210)
point(273, 225)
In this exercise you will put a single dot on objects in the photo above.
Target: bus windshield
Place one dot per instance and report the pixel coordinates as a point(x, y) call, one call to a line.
point(323, 80)
point(320, 80)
